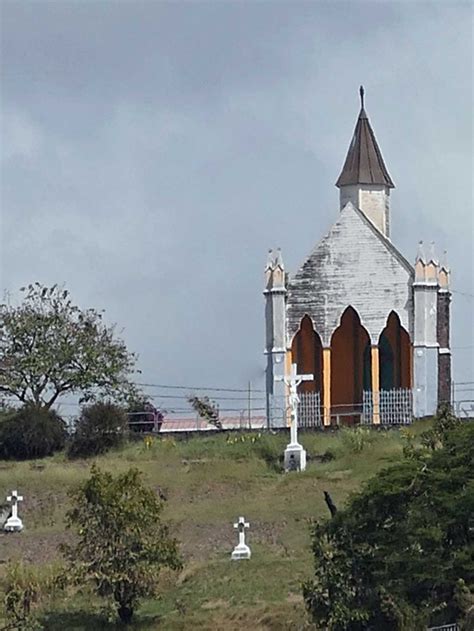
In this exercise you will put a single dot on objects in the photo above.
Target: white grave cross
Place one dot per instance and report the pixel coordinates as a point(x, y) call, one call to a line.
point(14, 523)
point(293, 380)
point(241, 551)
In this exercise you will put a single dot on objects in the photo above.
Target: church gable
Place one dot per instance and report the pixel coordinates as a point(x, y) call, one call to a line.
point(371, 329)
point(353, 265)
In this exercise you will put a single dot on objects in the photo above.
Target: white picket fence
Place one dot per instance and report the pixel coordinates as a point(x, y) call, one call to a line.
point(395, 407)
point(309, 411)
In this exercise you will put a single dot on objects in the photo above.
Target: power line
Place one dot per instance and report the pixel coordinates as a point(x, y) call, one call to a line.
point(157, 385)
point(221, 410)
point(462, 293)
point(217, 398)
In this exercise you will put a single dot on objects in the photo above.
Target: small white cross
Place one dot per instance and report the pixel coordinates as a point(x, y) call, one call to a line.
point(241, 525)
point(14, 523)
point(14, 498)
point(293, 380)
point(241, 551)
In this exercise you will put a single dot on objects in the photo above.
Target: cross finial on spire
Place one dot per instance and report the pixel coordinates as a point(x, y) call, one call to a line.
point(361, 92)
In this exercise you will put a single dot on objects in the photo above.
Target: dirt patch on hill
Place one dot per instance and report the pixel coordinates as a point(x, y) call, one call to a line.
point(31, 547)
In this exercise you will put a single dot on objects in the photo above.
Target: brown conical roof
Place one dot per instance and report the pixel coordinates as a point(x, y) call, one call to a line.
point(364, 163)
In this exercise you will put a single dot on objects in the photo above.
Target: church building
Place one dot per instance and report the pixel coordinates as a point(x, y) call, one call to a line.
point(371, 328)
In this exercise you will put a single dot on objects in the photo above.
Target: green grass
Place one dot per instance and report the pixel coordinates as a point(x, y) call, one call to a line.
point(208, 481)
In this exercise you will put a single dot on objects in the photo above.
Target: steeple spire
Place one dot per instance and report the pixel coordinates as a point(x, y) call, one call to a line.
point(364, 163)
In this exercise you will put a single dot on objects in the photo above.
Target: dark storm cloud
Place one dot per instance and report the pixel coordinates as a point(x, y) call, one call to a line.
point(153, 152)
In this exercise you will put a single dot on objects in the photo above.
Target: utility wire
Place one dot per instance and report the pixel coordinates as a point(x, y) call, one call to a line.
point(157, 385)
point(461, 293)
point(216, 398)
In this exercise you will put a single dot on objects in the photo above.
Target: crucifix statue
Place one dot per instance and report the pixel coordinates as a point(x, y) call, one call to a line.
point(295, 455)
point(241, 551)
point(14, 523)
point(293, 380)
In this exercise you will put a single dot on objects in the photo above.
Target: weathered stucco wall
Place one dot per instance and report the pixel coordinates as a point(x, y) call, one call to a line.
point(353, 265)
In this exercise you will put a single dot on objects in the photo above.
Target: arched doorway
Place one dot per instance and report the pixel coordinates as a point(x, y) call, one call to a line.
point(350, 365)
point(394, 355)
point(307, 354)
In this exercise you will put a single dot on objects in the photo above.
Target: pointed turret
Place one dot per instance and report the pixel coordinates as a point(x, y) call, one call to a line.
point(364, 179)
point(444, 273)
point(364, 163)
point(275, 318)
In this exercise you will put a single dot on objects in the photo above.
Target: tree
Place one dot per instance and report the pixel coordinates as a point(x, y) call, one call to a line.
point(394, 557)
point(30, 432)
point(121, 541)
point(49, 348)
point(143, 416)
point(100, 427)
point(206, 409)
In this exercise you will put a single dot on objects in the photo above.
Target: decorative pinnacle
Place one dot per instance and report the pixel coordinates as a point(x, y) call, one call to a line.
point(279, 258)
point(444, 261)
point(269, 259)
point(420, 256)
point(433, 258)
point(361, 92)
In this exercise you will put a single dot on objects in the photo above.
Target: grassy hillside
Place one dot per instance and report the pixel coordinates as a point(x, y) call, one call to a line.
point(208, 482)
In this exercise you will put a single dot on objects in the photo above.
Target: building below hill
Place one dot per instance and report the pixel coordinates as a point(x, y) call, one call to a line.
point(371, 328)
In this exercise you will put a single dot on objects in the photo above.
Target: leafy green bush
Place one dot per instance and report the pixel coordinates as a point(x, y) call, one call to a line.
point(443, 422)
point(394, 557)
point(355, 440)
point(121, 542)
point(31, 432)
point(100, 427)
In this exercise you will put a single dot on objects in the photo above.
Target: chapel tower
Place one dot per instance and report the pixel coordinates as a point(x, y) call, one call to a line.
point(371, 328)
point(364, 179)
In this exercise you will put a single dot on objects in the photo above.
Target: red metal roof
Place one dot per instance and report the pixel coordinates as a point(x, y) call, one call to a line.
point(171, 424)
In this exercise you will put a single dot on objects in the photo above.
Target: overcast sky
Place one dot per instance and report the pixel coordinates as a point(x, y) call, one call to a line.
point(153, 152)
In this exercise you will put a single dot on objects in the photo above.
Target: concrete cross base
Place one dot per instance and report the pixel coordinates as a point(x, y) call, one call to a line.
point(13, 524)
point(295, 457)
point(241, 552)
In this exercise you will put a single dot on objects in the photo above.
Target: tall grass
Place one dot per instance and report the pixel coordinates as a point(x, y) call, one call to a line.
point(209, 480)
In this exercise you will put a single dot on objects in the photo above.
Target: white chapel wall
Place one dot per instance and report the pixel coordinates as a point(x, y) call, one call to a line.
point(352, 266)
point(373, 200)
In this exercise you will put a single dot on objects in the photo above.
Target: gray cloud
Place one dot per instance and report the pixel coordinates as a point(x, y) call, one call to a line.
point(154, 151)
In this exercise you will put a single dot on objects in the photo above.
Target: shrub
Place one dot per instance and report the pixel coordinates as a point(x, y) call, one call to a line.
point(25, 589)
point(143, 416)
point(100, 427)
point(443, 422)
point(208, 410)
point(399, 556)
point(270, 451)
point(31, 432)
point(121, 542)
point(355, 440)
point(263, 446)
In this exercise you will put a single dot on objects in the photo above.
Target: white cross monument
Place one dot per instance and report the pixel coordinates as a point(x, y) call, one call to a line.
point(241, 551)
point(14, 523)
point(295, 455)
